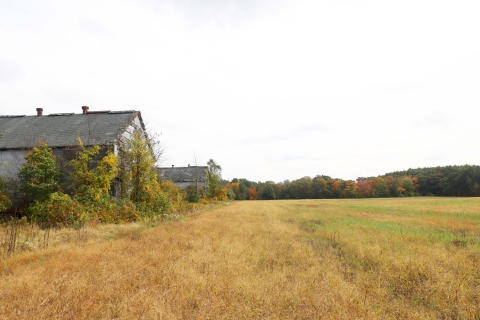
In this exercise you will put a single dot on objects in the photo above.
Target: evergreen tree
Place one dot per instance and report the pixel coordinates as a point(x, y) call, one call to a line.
point(38, 176)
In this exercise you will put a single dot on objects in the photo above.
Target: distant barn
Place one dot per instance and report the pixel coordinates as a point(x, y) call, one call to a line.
point(185, 176)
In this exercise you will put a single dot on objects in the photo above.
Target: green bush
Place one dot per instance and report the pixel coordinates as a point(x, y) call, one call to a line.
point(38, 176)
point(58, 210)
point(191, 194)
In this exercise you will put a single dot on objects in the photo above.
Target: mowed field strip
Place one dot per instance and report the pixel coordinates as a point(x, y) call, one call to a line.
point(402, 258)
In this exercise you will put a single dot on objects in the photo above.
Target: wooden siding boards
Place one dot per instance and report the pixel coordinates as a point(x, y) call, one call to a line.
point(184, 176)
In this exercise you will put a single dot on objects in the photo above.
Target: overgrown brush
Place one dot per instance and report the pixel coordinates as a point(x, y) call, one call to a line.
point(58, 210)
point(9, 244)
point(18, 235)
point(143, 196)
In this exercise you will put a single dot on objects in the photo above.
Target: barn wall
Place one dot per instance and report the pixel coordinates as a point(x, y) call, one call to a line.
point(11, 161)
point(183, 185)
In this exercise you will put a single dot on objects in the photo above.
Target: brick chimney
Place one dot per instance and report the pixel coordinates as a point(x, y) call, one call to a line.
point(85, 109)
point(39, 112)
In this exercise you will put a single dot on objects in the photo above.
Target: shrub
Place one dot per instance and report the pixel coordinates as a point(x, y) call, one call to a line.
point(194, 197)
point(191, 194)
point(127, 212)
point(5, 202)
point(155, 202)
point(174, 193)
point(110, 212)
point(57, 211)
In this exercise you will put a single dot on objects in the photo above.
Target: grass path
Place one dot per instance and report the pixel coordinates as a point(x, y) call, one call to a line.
point(327, 259)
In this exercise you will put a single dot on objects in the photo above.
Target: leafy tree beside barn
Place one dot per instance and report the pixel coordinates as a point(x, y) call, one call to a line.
point(38, 176)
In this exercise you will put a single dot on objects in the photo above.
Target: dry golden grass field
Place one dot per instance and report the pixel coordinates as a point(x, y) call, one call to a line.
point(410, 258)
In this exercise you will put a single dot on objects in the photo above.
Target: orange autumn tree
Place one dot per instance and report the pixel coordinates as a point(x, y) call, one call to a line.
point(252, 194)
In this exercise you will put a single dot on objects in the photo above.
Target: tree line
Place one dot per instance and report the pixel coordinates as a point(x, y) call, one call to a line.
point(93, 173)
point(463, 181)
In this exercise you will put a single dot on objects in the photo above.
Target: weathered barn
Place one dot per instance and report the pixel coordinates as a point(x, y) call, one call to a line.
point(185, 176)
point(18, 134)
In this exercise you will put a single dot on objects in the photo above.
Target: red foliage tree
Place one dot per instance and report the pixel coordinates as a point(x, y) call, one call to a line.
point(365, 188)
point(252, 194)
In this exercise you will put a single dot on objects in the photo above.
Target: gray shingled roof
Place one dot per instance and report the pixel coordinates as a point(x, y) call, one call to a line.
point(62, 130)
point(183, 174)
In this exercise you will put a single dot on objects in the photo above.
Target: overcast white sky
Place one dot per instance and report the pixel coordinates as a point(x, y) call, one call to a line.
point(271, 90)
